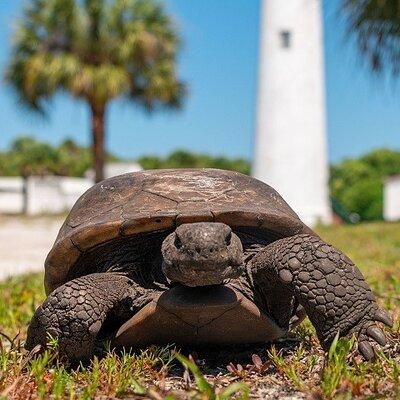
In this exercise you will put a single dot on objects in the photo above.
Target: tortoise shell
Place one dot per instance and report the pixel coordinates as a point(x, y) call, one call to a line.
point(135, 203)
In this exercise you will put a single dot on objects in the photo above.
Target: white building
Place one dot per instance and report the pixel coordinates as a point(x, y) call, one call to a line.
point(391, 199)
point(290, 144)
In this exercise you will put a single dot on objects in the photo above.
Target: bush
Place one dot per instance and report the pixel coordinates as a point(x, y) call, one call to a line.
point(28, 156)
point(358, 183)
point(186, 159)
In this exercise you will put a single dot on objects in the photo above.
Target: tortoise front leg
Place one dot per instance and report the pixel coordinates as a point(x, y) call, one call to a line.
point(75, 312)
point(327, 284)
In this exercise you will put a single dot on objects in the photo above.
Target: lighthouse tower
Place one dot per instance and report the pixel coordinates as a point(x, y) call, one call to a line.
point(290, 144)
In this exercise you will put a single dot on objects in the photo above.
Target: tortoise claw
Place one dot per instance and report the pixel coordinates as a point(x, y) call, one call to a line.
point(376, 334)
point(383, 316)
point(368, 334)
point(366, 350)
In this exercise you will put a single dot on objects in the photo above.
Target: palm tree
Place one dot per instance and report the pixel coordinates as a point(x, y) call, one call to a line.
point(96, 50)
point(376, 26)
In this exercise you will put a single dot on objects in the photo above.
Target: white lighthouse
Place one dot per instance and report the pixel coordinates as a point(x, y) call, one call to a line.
point(290, 144)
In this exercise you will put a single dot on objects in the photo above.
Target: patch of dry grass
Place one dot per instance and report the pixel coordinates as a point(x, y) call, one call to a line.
point(292, 368)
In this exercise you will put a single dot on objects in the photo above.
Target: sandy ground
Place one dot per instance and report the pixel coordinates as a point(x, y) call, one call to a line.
point(25, 242)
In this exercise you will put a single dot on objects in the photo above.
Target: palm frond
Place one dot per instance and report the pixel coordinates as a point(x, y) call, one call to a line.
point(376, 26)
point(96, 50)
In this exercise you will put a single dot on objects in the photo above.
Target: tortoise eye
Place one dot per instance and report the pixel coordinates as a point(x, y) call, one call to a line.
point(228, 238)
point(177, 242)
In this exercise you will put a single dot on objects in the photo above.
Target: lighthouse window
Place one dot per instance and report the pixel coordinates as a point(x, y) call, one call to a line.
point(285, 39)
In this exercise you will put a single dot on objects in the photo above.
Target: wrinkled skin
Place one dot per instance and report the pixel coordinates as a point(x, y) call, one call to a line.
point(284, 279)
point(202, 254)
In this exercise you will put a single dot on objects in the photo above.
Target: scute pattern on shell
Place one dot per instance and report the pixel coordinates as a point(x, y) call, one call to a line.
point(155, 200)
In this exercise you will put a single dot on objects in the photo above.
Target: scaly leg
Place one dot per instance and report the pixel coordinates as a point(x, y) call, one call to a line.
point(75, 312)
point(327, 284)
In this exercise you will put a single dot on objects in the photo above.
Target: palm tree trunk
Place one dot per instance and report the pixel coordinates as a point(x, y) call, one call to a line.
point(98, 133)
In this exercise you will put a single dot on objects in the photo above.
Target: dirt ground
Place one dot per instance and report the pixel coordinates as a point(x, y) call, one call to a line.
point(25, 242)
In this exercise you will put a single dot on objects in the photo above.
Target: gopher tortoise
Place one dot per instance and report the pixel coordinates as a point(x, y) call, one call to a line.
point(195, 256)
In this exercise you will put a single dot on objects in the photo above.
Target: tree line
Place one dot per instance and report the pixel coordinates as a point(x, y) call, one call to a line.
point(355, 183)
point(27, 156)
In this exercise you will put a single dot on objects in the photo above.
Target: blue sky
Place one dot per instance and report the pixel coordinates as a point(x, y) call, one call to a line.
point(219, 62)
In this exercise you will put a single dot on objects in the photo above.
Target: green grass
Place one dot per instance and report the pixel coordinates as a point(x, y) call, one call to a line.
point(294, 366)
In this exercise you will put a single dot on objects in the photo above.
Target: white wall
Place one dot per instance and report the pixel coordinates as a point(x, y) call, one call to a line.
point(46, 195)
point(51, 194)
point(54, 194)
point(11, 201)
point(391, 199)
point(290, 146)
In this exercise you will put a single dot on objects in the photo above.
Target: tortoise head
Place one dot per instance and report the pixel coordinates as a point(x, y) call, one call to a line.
point(202, 253)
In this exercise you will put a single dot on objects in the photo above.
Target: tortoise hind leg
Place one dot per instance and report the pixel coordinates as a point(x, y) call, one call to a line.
point(327, 284)
point(75, 312)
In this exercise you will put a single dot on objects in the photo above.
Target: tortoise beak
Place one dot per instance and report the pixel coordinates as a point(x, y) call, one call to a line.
point(200, 254)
